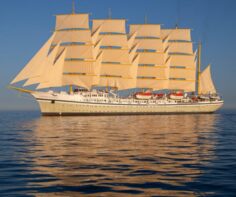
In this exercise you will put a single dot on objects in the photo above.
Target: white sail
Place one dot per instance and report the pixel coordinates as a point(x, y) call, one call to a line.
point(43, 70)
point(122, 75)
point(90, 67)
point(85, 73)
point(148, 57)
point(49, 62)
point(153, 44)
point(72, 21)
point(80, 51)
point(117, 82)
point(33, 67)
point(80, 66)
point(122, 70)
point(185, 85)
point(182, 73)
point(131, 40)
point(96, 49)
point(154, 84)
point(73, 36)
point(110, 25)
point(153, 71)
point(181, 48)
point(177, 34)
point(152, 58)
point(146, 30)
point(95, 35)
point(133, 53)
point(188, 61)
point(178, 73)
point(81, 80)
point(206, 83)
point(119, 40)
point(116, 55)
point(119, 64)
point(54, 73)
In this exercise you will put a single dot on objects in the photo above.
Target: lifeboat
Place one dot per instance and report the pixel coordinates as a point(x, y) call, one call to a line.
point(158, 96)
point(176, 95)
point(143, 95)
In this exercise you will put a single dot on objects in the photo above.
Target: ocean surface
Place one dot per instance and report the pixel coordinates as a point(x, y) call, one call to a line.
point(157, 155)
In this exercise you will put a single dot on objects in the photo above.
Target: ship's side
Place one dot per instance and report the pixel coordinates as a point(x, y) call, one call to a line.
point(72, 105)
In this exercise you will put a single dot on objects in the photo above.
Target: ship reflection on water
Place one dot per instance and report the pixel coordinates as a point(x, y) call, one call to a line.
point(123, 155)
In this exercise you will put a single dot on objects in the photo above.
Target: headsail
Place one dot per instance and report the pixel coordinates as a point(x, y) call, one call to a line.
point(53, 74)
point(44, 68)
point(34, 66)
point(206, 83)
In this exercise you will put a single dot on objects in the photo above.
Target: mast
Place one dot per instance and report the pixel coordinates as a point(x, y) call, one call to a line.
point(145, 19)
point(109, 13)
point(199, 67)
point(73, 6)
point(71, 89)
point(73, 12)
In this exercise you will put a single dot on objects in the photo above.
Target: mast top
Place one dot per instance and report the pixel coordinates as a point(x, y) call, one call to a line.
point(145, 19)
point(199, 67)
point(73, 6)
point(109, 13)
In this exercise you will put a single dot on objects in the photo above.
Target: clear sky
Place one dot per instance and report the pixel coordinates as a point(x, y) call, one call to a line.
point(26, 24)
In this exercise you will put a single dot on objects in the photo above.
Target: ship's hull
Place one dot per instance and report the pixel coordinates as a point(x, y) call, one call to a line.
point(60, 107)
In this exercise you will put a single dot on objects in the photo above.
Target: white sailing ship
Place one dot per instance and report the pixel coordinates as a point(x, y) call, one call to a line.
point(97, 62)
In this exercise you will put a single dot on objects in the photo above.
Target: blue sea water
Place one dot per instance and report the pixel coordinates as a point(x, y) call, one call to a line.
point(158, 155)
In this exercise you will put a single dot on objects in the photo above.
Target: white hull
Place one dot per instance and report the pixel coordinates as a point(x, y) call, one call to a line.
point(59, 105)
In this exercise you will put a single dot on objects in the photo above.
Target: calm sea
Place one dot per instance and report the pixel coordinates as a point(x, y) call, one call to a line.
point(162, 155)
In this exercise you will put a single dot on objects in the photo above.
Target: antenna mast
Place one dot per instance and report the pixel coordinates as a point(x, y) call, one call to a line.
point(109, 13)
point(199, 67)
point(73, 6)
point(145, 19)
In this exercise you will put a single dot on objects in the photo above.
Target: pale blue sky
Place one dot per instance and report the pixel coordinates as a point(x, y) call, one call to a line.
point(26, 24)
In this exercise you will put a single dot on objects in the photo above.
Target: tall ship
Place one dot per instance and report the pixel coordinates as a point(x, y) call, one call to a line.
point(109, 69)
